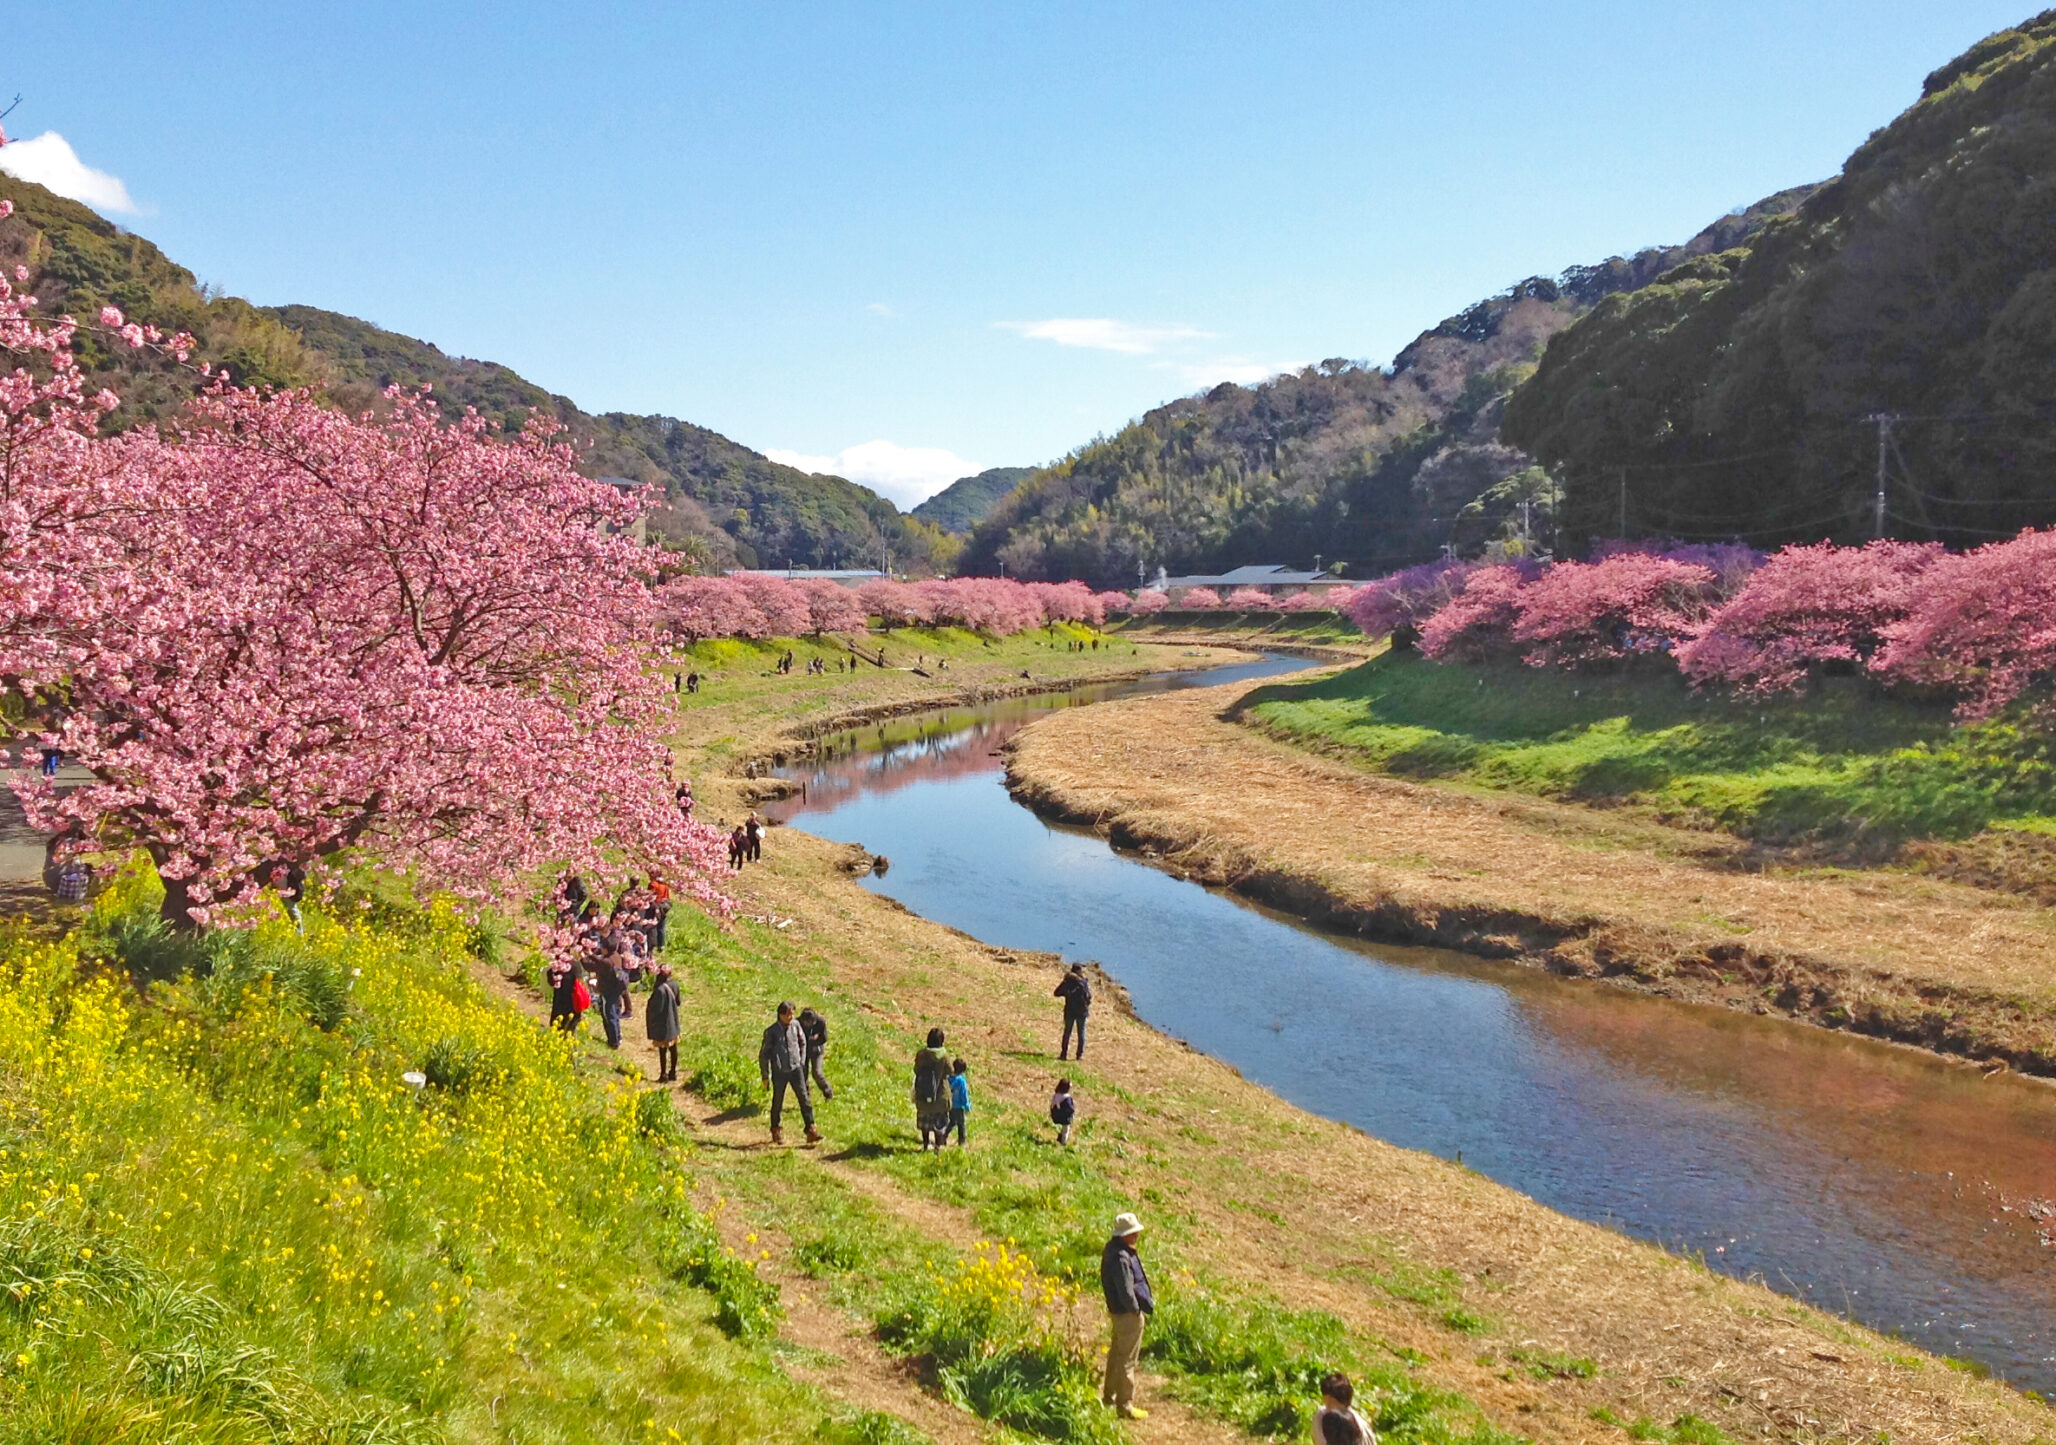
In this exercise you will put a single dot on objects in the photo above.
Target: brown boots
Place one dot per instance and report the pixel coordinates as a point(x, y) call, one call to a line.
point(813, 1135)
point(777, 1135)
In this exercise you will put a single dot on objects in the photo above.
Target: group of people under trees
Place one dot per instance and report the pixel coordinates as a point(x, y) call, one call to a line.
point(606, 954)
point(746, 843)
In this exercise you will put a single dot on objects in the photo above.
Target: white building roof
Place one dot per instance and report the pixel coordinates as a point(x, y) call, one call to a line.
point(1252, 576)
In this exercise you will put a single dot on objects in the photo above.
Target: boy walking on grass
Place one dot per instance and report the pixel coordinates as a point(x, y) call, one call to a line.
point(959, 1100)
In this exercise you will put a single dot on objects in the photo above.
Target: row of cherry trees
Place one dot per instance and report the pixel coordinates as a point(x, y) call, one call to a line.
point(759, 605)
point(1978, 626)
point(272, 632)
point(1207, 599)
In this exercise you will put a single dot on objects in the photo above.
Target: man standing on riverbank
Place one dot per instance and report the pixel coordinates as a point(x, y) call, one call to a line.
point(1129, 1305)
point(782, 1061)
point(1076, 992)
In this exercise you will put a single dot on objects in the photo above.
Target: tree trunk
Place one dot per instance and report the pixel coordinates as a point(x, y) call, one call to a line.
point(177, 911)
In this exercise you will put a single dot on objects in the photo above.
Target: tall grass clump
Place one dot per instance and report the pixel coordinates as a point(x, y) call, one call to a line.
point(226, 1216)
point(1001, 1339)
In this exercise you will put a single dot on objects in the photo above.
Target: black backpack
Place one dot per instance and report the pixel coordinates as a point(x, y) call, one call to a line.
point(931, 1077)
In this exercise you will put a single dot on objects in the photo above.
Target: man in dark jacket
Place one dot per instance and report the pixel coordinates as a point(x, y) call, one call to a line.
point(1129, 1304)
point(1076, 992)
point(815, 1028)
point(782, 1060)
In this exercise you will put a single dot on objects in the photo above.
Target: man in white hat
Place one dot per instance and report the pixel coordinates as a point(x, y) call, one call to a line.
point(1129, 1302)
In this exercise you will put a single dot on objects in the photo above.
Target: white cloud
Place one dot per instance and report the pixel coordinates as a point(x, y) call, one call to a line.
point(908, 475)
point(49, 161)
point(879, 308)
point(1239, 370)
point(1103, 334)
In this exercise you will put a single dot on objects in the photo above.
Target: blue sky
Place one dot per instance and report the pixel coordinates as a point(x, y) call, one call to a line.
point(899, 240)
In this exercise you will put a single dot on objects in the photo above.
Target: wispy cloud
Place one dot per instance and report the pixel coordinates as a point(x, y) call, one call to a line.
point(1100, 333)
point(879, 308)
point(908, 475)
point(49, 161)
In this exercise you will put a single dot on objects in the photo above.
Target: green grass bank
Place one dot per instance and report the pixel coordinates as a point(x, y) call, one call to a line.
point(1839, 766)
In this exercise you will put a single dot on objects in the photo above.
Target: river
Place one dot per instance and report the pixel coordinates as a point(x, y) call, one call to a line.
point(1893, 1188)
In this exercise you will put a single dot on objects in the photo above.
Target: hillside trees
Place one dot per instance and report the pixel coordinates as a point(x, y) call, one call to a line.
point(1734, 396)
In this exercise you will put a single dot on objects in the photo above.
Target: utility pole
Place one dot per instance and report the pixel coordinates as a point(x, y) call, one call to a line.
point(1882, 420)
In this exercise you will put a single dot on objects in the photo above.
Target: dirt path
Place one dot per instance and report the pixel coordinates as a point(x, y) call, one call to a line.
point(1575, 890)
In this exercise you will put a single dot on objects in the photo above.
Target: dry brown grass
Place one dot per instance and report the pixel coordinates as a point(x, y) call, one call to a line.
point(1896, 954)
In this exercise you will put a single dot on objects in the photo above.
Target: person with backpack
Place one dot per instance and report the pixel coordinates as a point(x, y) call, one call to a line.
point(1337, 1422)
point(1125, 1284)
point(782, 1061)
point(931, 1093)
point(1075, 989)
point(815, 1028)
point(1063, 1110)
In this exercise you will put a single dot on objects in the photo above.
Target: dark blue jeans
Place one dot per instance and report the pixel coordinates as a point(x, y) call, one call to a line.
point(1072, 1021)
point(610, 1015)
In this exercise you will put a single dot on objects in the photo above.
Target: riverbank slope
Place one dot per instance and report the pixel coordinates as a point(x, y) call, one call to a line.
point(1449, 1286)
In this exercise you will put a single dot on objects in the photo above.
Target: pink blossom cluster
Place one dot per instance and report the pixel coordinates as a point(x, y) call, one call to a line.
point(758, 605)
point(1407, 597)
point(1196, 599)
point(1142, 604)
point(273, 632)
point(1978, 626)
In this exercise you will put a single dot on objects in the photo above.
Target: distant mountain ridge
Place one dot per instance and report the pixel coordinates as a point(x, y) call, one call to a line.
point(965, 502)
point(728, 505)
point(1368, 466)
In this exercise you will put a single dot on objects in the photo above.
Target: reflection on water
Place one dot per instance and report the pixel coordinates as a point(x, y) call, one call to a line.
point(1902, 1191)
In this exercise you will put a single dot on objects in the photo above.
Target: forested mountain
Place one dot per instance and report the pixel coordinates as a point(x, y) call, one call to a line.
point(1372, 467)
point(964, 503)
point(1741, 394)
point(727, 505)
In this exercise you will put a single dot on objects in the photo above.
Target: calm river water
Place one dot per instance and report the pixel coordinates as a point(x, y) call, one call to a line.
point(1903, 1192)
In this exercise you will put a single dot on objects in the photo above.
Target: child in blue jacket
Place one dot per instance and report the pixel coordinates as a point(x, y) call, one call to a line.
point(959, 1099)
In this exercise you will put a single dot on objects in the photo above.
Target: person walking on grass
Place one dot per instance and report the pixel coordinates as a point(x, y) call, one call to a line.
point(1063, 1110)
point(1075, 989)
point(660, 1022)
point(612, 987)
point(959, 1100)
point(931, 1093)
point(1129, 1305)
point(815, 1028)
point(1337, 1421)
point(782, 1061)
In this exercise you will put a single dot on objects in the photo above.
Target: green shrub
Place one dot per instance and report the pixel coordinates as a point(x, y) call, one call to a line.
point(456, 1066)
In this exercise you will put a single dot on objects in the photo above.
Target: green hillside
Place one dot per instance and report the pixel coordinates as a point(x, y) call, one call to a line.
point(1733, 396)
point(964, 503)
point(728, 505)
point(1373, 467)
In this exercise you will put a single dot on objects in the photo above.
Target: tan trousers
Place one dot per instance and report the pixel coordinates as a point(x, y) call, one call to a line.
point(1119, 1388)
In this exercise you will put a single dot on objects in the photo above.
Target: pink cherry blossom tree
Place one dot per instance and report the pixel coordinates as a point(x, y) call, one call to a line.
point(782, 606)
point(1582, 613)
point(389, 634)
point(1249, 599)
point(1805, 607)
point(697, 608)
point(1147, 603)
point(1981, 625)
point(1409, 596)
point(1197, 599)
point(832, 608)
point(1478, 621)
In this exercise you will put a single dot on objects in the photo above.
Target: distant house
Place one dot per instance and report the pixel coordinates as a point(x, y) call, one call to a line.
point(1276, 581)
point(840, 576)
